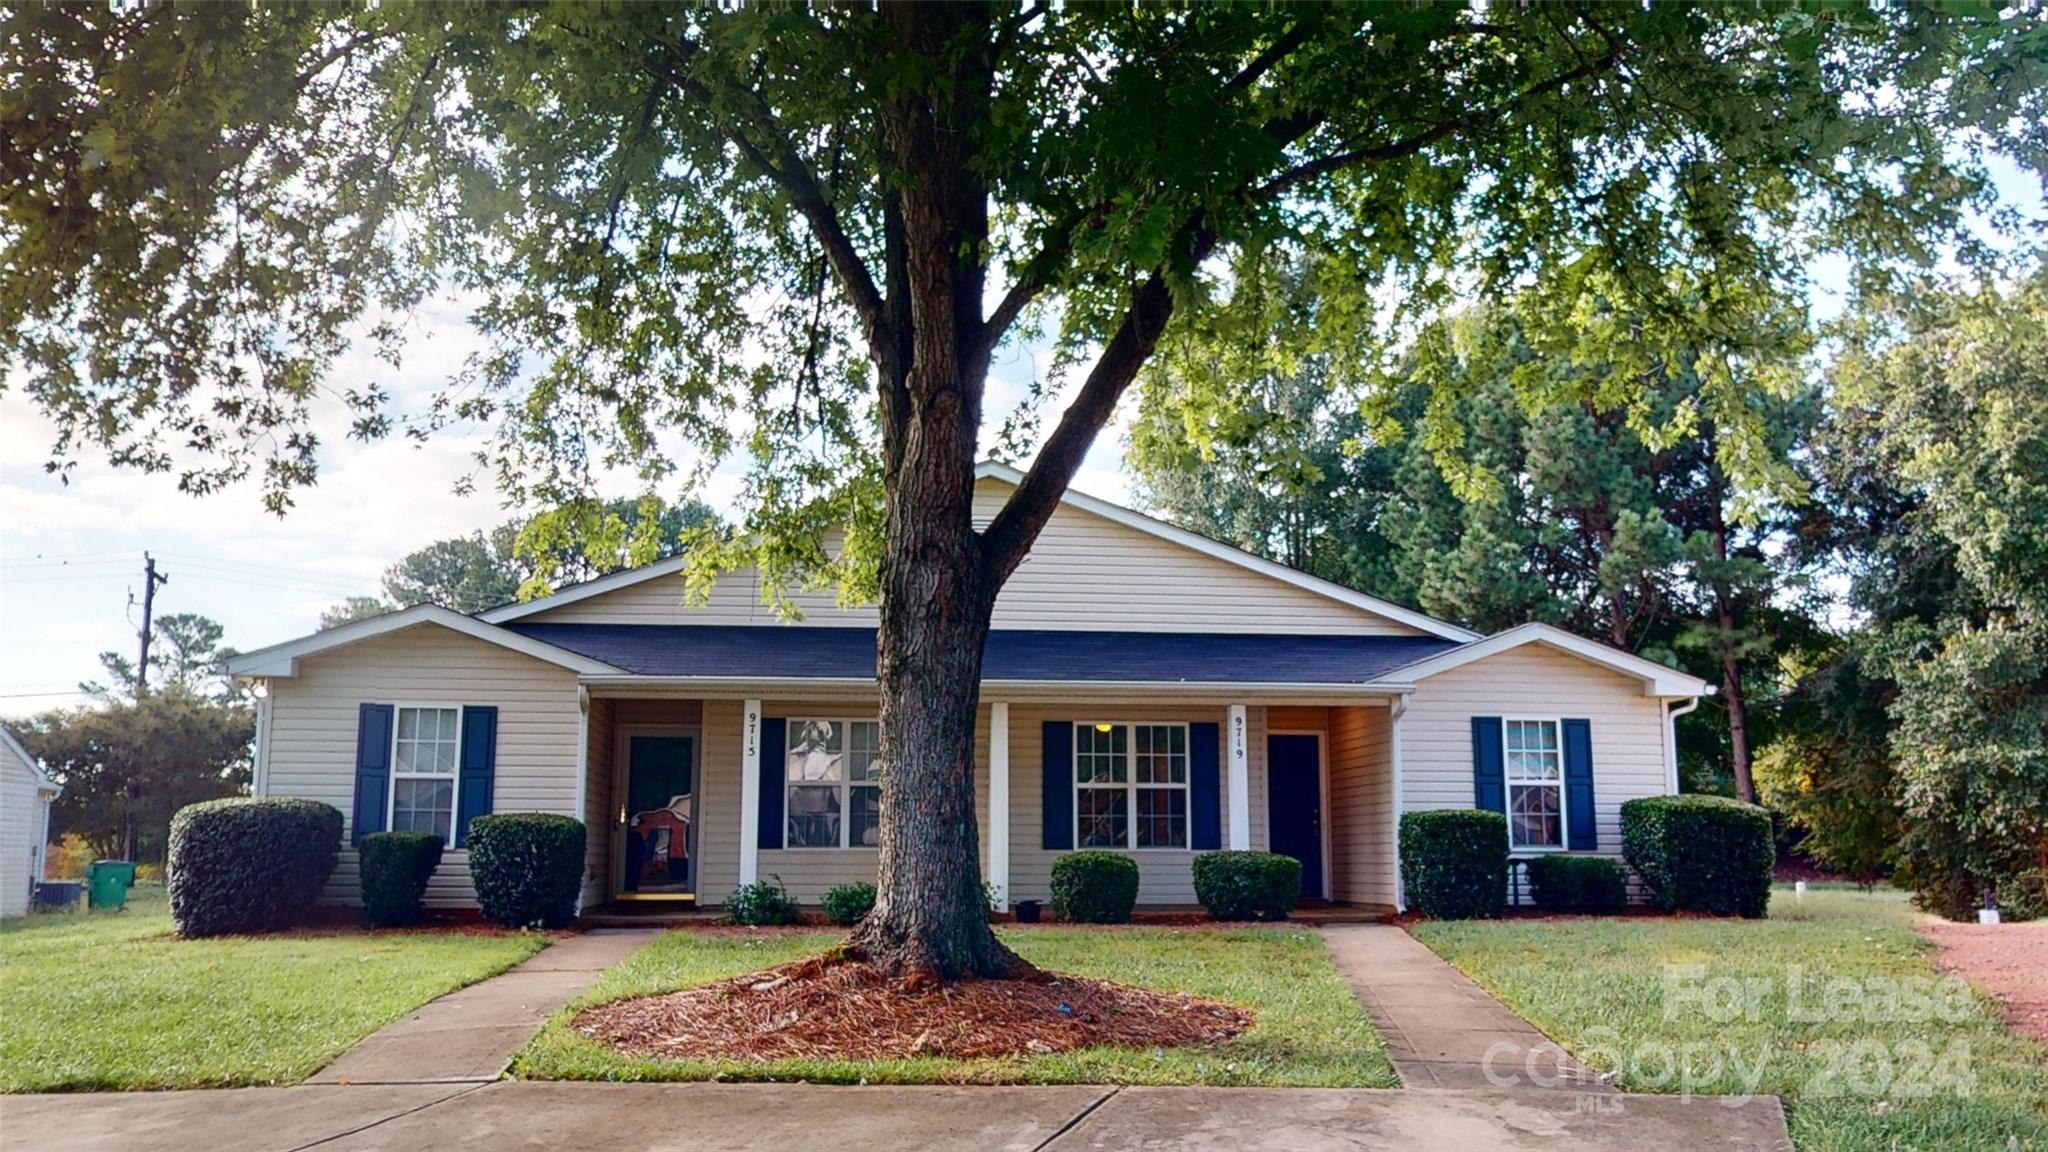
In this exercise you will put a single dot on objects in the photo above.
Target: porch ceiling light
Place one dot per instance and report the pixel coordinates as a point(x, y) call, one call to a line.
point(1105, 727)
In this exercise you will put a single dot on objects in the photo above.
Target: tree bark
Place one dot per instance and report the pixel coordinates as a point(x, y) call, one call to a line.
point(1738, 710)
point(930, 920)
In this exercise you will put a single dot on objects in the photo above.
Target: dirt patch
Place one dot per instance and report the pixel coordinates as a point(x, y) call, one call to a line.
point(819, 1009)
point(2010, 961)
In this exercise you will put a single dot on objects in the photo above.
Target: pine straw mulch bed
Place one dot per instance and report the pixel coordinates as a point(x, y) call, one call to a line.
point(822, 1008)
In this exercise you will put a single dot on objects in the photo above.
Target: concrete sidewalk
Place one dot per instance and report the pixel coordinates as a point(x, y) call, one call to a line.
point(470, 1036)
point(512, 1115)
point(1441, 1029)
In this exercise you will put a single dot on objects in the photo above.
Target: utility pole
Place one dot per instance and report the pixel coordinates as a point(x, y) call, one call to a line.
point(150, 581)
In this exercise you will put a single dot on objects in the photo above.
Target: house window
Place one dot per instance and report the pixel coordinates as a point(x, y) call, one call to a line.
point(1535, 783)
point(424, 753)
point(1131, 785)
point(834, 775)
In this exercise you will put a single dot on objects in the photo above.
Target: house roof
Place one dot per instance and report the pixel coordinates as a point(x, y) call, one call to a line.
point(283, 659)
point(1116, 513)
point(43, 781)
point(1658, 679)
point(773, 652)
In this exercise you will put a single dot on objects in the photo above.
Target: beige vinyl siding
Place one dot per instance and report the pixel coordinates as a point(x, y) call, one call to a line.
point(313, 719)
point(1084, 573)
point(1361, 806)
point(1537, 682)
point(21, 826)
point(1164, 876)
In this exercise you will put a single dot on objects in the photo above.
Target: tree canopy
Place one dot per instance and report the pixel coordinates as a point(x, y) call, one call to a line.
point(800, 234)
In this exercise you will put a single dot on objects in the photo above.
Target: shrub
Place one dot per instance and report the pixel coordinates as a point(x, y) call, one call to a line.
point(1094, 887)
point(395, 870)
point(249, 864)
point(1700, 853)
point(1454, 863)
point(847, 903)
point(528, 868)
point(1247, 885)
point(1589, 884)
point(767, 902)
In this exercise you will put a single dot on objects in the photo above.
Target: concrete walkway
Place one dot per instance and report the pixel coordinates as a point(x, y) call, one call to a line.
point(1441, 1029)
point(470, 1036)
point(514, 1115)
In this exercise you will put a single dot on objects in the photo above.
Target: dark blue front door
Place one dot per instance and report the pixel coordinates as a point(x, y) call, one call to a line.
point(1294, 773)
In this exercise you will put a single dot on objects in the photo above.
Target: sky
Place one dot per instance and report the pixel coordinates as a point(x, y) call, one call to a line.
point(71, 550)
point(71, 553)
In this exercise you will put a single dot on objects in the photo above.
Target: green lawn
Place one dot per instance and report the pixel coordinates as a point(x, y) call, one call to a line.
point(1308, 1031)
point(1951, 1079)
point(105, 1000)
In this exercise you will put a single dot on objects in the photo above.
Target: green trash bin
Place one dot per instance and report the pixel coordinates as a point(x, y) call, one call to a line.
point(108, 881)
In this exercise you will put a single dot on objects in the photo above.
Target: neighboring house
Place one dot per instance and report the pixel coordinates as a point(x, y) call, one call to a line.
point(1144, 689)
point(25, 798)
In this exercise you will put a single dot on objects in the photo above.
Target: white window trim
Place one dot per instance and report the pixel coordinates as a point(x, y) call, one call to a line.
point(392, 774)
point(1130, 784)
point(1507, 785)
point(846, 784)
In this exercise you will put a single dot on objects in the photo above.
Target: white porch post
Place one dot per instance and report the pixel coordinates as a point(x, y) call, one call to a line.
point(1240, 769)
point(1394, 714)
point(750, 792)
point(999, 804)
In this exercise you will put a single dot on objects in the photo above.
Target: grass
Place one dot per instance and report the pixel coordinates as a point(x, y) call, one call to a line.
point(1611, 991)
point(1309, 1031)
point(112, 1000)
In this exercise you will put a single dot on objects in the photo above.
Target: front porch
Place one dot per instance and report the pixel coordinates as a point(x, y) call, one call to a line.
point(687, 798)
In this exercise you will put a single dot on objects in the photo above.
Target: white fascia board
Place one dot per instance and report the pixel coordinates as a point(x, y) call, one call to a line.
point(585, 590)
point(1658, 679)
point(736, 687)
point(1138, 521)
point(282, 660)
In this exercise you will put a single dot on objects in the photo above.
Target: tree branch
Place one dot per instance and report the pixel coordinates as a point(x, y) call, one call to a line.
point(777, 158)
point(1408, 146)
point(1008, 538)
point(1036, 277)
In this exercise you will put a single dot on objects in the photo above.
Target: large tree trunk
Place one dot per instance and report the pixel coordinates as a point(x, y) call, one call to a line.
point(930, 919)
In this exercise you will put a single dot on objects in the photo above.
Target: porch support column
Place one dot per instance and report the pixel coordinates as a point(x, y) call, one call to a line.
point(750, 791)
point(999, 804)
point(1394, 714)
point(1240, 769)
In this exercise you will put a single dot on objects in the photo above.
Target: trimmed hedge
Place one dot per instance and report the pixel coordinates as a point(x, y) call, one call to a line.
point(395, 869)
point(249, 864)
point(764, 902)
point(528, 867)
point(1094, 887)
point(1454, 863)
point(1247, 885)
point(1594, 885)
point(845, 904)
point(1701, 853)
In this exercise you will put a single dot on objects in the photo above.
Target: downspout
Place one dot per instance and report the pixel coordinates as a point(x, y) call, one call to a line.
point(1394, 714)
point(1671, 716)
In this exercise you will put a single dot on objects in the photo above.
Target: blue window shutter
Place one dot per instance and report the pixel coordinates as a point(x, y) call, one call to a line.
point(774, 754)
point(1583, 835)
point(1205, 802)
point(373, 770)
point(1489, 785)
point(479, 768)
point(1056, 788)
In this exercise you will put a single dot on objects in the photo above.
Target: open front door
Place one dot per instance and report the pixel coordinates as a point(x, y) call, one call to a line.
point(658, 815)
